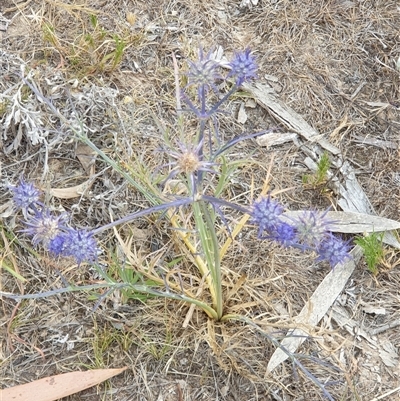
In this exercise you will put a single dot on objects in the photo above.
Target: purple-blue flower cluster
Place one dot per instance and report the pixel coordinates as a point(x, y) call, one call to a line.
point(204, 74)
point(25, 195)
point(243, 67)
point(310, 231)
point(79, 244)
point(52, 231)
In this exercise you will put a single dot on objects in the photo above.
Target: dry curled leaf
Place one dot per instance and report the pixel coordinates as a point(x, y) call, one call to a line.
point(86, 156)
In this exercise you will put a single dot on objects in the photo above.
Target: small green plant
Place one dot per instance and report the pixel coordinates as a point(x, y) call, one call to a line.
point(321, 175)
point(102, 341)
point(105, 340)
point(49, 34)
point(372, 247)
point(7, 260)
point(126, 272)
point(159, 349)
point(94, 50)
point(94, 20)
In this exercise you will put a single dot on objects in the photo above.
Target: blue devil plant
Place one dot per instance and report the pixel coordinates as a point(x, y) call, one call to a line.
point(193, 161)
point(199, 164)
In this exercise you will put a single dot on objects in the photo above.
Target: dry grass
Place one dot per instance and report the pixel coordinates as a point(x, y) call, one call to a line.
point(332, 62)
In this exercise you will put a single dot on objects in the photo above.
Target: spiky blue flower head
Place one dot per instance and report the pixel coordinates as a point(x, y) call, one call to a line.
point(312, 228)
point(44, 226)
point(334, 250)
point(243, 67)
point(204, 71)
point(56, 244)
point(265, 214)
point(283, 233)
point(80, 244)
point(25, 195)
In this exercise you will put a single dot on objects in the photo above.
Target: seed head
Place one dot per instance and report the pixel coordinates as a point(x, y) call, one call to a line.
point(311, 228)
point(204, 71)
point(189, 162)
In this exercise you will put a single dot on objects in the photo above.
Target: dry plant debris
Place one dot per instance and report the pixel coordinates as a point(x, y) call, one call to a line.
point(332, 62)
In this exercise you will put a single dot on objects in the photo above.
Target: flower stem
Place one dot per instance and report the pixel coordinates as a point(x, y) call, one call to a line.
point(212, 255)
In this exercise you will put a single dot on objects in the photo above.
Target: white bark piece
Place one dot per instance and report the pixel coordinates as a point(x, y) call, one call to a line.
point(265, 96)
point(388, 353)
point(315, 309)
point(341, 316)
point(370, 309)
point(351, 222)
point(242, 115)
point(275, 138)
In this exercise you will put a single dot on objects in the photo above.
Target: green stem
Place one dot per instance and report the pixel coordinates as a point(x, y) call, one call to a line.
point(150, 197)
point(214, 259)
point(206, 269)
point(144, 289)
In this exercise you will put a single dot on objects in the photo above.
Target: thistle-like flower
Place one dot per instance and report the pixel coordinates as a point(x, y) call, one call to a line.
point(266, 214)
point(243, 67)
point(79, 244)
point(56, 244)
point(312, 228)
point(189, 161)
point(44, 227)
point(334, 250)
point(204, 71)
point(202, 74)
point(283, 233)
point(25, 195)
